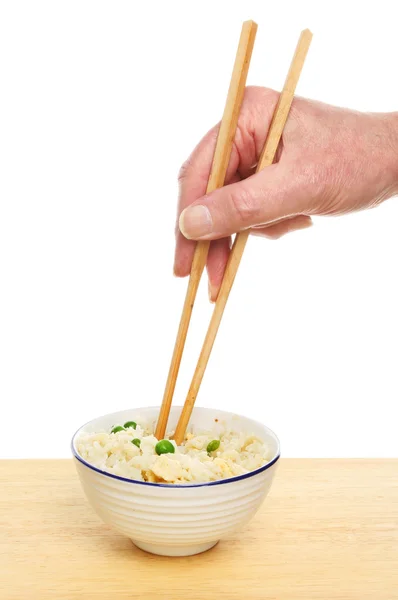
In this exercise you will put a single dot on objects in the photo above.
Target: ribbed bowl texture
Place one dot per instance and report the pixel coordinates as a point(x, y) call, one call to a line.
point(177, 520)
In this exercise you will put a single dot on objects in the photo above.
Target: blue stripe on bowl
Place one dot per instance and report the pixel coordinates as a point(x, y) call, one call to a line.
point(173, 485)
point(176, 485)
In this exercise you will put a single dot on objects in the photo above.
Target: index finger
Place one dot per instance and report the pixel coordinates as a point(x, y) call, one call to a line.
point(193, 179)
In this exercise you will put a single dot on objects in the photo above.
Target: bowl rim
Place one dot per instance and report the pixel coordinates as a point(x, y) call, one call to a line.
point(177, 485)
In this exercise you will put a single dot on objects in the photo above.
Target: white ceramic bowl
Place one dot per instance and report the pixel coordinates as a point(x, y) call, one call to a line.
point(177, 520)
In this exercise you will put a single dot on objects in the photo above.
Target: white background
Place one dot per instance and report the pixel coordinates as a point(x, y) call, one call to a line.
point(100, 103)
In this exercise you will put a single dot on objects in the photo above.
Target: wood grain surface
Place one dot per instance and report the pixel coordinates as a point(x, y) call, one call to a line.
point(329, 530)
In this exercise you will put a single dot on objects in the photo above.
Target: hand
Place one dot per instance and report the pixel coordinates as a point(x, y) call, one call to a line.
point(330, 161)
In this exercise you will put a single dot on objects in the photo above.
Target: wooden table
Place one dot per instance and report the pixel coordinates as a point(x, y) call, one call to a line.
point(329, 530)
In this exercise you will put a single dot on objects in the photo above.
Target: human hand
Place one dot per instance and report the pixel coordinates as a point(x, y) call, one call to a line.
point(330, 161)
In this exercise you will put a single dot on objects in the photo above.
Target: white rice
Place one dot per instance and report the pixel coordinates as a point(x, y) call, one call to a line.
point(238, 453)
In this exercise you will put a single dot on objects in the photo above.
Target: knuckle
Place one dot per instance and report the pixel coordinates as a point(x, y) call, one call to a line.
point(195, 160)
point(185, 169)
point(241, 205)
point(323, 186)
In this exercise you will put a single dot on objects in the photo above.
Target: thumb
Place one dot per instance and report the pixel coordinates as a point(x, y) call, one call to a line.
point(270, 195)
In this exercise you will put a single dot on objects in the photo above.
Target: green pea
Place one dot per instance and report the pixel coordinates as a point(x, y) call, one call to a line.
point(213, 446)
point(136, 442)
point(130, 424)
point(117, 428)
point(164, 447)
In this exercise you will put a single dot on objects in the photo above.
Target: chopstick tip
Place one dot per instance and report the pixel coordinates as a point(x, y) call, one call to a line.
point(250, 23)
point(307, 33)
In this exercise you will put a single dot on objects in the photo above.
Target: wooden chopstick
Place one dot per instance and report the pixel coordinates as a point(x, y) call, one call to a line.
point(271, 145)
point(218, 172)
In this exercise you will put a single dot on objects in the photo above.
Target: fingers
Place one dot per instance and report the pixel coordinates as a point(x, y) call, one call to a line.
point(216, 263)
point(220, 249)
point(255, 115)
point(185, 248)
point(194, 173)
point(193, 178)
point(273, 194)
point(183, 255)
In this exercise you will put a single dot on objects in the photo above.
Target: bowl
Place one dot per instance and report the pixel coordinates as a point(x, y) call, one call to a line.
point(170, 519)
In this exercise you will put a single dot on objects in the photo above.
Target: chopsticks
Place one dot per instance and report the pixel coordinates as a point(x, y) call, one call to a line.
point(218, 172)
point(274, 135)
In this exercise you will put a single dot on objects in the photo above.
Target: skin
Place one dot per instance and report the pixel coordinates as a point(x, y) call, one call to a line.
point(331, 161)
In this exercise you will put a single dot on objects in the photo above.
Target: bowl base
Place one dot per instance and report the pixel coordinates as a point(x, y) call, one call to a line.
point(174, 550)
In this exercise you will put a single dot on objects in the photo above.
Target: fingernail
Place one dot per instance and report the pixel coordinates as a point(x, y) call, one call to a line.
point(212, 293)
point(195, 222)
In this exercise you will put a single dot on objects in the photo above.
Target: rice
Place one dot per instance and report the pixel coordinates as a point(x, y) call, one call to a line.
point(238, 453)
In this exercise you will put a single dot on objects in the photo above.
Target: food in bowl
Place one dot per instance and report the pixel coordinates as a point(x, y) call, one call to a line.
point(176, 519)
point(131, 450)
